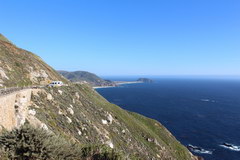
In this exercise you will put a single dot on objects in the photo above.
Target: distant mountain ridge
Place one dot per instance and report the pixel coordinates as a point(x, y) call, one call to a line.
point(80, 76)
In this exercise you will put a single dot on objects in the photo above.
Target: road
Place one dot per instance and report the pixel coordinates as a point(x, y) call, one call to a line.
point(7, 91)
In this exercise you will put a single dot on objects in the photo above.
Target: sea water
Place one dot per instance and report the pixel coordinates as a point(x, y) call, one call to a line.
point(198, 112)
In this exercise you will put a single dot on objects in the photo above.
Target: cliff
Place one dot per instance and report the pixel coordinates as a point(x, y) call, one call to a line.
point(77, 113)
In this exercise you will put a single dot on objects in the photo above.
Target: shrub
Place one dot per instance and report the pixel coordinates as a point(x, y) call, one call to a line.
point(28, 143)
point(33, 144)
point(101, 152)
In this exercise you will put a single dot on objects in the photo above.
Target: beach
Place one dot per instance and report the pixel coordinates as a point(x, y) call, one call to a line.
point(117, 84)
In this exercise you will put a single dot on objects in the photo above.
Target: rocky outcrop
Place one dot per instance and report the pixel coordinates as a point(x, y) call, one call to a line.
point(37, 74)
point(3, 74)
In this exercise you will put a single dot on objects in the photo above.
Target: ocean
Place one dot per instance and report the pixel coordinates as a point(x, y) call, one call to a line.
point(204, 113)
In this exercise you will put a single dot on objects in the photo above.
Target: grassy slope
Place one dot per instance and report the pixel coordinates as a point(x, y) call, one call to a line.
point(91, 108)
point(3, 38)
point(15, 62)
point(139, 124)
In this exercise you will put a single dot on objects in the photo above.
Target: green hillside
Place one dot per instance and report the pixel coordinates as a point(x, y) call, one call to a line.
point(19, 67)
point(77, 122)
point(80, 76)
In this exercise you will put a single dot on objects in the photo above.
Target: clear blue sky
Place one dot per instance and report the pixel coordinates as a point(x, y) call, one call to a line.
point(128, 37)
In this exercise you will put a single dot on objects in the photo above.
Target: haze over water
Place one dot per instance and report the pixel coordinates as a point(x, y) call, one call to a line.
point(201, 112)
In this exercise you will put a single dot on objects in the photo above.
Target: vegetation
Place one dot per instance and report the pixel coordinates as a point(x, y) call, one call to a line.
point(132, 134)
point(2, 38)
point(28, 143)
point(91, 78)
point(22, 68)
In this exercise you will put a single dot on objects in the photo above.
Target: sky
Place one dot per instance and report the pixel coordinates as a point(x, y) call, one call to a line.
point(128, 37)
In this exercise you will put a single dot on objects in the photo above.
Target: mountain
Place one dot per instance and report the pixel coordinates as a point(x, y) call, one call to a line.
point(19, 67)
point(72, 121)
point(80, 76)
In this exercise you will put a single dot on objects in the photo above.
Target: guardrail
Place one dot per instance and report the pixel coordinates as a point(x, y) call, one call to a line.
point(6, 91)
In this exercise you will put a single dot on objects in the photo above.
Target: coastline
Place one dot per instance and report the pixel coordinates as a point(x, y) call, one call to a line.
point(126, 82)
point(97, 87)
point(118, 83)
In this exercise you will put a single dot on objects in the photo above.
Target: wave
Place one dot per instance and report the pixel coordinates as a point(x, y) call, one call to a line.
point(208, 100)
point(198, 150)
point(230, 146)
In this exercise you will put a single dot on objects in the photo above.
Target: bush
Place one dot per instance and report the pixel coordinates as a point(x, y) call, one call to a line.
point(100, 153)
point(28, 143)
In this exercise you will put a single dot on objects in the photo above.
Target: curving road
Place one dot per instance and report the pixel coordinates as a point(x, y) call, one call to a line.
point(7, 91)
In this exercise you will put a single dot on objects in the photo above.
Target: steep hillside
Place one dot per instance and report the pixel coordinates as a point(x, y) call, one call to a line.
point(75, 113)
point(91, 78)
point(3, 38)
point(19, 67)
point(80, 113)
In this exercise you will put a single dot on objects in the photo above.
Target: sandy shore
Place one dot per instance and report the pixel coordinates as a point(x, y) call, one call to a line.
point(126, 82)
point(118, 83)
point(103, 87)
